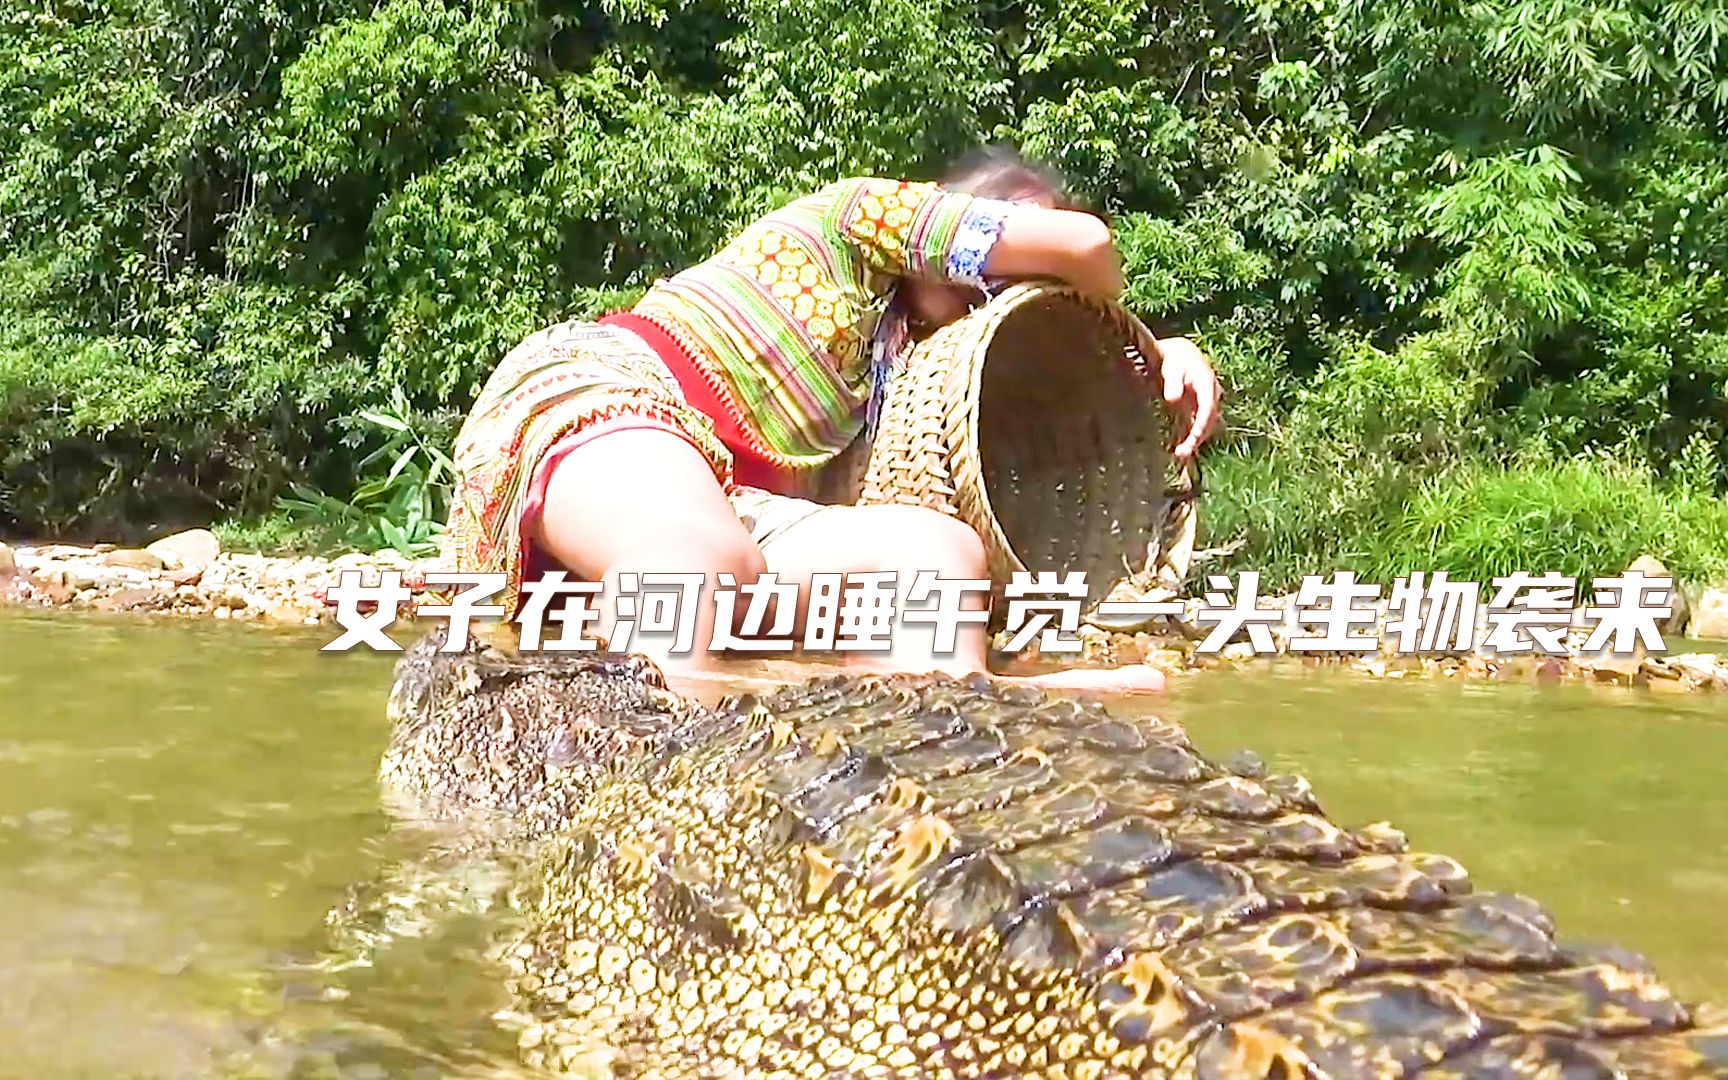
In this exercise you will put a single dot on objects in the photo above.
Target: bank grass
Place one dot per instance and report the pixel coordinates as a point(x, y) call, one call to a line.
point(1291, 515)
point(1583, 517)
point(279, 534)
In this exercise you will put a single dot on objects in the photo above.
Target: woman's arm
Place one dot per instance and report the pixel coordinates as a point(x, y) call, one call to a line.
point(1073, 247)
point(942, 243)
point(917, 230)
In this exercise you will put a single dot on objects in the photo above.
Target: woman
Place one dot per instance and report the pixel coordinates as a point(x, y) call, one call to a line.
point(671, 438)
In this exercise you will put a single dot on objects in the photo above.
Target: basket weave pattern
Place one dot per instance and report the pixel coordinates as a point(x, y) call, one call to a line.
point(1034, 420)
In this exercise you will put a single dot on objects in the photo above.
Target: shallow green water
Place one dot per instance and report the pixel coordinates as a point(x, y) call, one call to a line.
point(180, 804)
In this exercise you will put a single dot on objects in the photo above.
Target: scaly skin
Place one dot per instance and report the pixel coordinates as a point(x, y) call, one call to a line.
point(518, 740)
point(930, 877)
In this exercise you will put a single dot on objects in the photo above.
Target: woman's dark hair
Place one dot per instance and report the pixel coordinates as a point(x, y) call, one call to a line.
point(998, 172)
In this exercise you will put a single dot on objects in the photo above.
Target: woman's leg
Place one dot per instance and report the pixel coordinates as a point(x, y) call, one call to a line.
point(906, 540)
point(645, 501)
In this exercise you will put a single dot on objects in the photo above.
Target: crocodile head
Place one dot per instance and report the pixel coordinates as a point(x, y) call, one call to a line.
point(481, 733)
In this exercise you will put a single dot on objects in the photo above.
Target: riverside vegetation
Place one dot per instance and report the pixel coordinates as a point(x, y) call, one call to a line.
point(1461, 266)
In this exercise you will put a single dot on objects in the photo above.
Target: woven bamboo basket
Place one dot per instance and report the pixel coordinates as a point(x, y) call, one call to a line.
point(1037, 419)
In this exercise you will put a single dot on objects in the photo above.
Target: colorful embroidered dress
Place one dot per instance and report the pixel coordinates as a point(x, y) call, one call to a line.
point(787, 322)
point(768, 351)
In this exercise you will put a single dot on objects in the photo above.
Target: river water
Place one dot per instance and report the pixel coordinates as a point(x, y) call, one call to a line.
point(181, 804)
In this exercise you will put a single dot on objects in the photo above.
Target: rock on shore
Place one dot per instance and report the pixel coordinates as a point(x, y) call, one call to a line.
point(1710, 615)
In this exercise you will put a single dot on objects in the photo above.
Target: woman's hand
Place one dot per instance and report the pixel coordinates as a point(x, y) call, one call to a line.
point(1191, 385)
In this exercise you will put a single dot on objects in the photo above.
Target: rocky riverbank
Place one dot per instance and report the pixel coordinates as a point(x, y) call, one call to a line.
point(189, 575)
point(1675, 670)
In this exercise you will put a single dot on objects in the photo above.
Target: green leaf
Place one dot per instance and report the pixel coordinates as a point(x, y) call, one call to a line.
point(401, 463)
point(391, 422)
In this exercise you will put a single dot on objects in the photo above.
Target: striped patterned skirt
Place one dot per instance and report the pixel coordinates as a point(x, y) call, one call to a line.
point(558, 388)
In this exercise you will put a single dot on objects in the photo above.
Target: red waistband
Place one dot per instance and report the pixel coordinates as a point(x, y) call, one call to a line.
point(750, 465)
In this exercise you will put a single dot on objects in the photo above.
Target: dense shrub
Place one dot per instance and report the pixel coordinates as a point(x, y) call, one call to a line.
point(1415, 237)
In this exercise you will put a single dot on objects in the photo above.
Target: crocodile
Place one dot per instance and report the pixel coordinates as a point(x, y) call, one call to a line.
point(899, 876)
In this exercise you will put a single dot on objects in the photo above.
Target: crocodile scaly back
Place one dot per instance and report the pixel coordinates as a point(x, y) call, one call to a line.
point(930, 877)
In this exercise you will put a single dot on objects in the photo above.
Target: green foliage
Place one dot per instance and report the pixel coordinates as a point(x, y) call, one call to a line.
point(272, 534)
point(397, 506)
point(1585, 518)
point(1514, 219)
point(1295, 516)
point(1418, 239)
point(390, 94)
point(1478, 520)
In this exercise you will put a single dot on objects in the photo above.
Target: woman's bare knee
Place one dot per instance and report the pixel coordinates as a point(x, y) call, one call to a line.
point(691, 546)
point(869, 539)
point(930, 540)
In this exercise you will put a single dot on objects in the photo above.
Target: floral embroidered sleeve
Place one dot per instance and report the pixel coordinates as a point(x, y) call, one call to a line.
point(912, 229)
